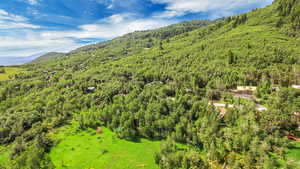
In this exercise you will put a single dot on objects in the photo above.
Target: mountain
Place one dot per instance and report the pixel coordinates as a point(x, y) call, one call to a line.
point(162, 33)
point(162, 85)
point(6, 61)
point(48, 56)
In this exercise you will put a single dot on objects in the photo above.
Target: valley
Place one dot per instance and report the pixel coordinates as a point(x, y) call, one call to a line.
point(194, 95)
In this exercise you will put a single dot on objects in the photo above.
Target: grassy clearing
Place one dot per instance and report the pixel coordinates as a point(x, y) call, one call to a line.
point(9, 71)
point(293, 154)
point(4, 156)
point(85, 149)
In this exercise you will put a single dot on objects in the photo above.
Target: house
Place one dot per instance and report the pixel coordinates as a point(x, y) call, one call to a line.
point(246, 88)
point(261, 107)
point(297, 114)
point(293, 138)
point(223, 112)
point(245, 92)
point(289, 136)
point(188, 90)
point(222, 105)
point(222, 108)
point(296, 86)
point(171, 98)
point(275, 88)
point(91, 89)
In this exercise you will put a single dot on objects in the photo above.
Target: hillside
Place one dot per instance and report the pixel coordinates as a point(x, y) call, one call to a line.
point(7, 73)
point(48, 56)
point(159, 85)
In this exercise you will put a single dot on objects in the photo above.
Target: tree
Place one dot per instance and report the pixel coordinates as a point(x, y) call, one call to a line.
point(2, 70)
point(231, 57)
point(161, 45)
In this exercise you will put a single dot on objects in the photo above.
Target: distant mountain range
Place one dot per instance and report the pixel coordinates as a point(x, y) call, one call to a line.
point(48, 56)
point(9, 61)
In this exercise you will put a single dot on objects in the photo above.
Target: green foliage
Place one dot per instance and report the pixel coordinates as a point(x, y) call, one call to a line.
point(7, 73)
point(48, 56)
point(87, 149)
point(293, 154)
point(158, 84)
point(2, 70)
point(290, 9)
point(239, 20)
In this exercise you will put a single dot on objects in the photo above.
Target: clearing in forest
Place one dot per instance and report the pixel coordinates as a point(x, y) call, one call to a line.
point(87, 149)
point(9, 72)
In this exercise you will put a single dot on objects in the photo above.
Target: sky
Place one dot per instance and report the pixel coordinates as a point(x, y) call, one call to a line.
point(34, 27)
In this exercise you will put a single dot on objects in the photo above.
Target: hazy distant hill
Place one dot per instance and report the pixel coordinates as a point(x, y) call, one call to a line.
point(48, 56)
point(6, 61)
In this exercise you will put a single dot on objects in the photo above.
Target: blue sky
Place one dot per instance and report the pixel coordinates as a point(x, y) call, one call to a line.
point(31, 27)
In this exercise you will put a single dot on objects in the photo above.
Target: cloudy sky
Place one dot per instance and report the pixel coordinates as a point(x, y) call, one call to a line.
point(31, 27)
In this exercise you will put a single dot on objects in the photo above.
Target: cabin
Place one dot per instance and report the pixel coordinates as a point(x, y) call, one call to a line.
point(296, 86)
point(275, 88)
point(222, 108)
point(223, 112)
point(222, 105)
point(261, 108)
point(246, 88)
point(91, 89)
point(297, 114)
point(188, 90)
point(245, 92)
point(171, 98)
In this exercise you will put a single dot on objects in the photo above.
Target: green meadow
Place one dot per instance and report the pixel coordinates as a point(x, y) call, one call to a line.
point(9, 71)
point(87, 149)
point(293, 153)
point(4, 156)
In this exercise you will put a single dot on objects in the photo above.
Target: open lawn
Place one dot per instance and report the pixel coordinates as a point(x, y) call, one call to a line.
point(294, 153)
point(9, 71)
point(86, 149)
point(4, 155)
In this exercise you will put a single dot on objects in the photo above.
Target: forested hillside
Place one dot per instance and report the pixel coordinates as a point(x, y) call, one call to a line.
point(160, 85)
point(48, 56)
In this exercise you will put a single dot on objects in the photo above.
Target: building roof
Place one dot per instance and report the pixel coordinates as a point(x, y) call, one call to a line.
point(261, 108)
point(251, 88)
point(296, 86)
point(222, 105)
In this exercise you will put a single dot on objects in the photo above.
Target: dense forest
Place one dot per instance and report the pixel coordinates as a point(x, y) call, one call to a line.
point(160, 85)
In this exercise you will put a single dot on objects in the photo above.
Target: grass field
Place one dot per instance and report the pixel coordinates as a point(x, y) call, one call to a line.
point(4, 155)
point(294, 153)
point(86, 150)
point(9, 71)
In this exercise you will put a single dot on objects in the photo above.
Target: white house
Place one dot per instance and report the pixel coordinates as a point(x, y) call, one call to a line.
point(250, 88)
point(296, 86)
point(261, 108)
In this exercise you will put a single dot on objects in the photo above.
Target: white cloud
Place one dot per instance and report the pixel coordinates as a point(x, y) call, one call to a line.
point(4, 15)
point(32, 43)
point(20, 38)
point(218, 7)
point(32, 2)
point(12, 21)
point(25, 42)
point(13, 25)
point(117, 18)
point(111, 27)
